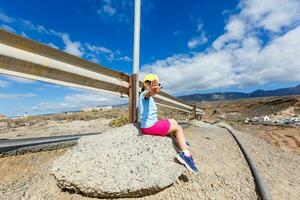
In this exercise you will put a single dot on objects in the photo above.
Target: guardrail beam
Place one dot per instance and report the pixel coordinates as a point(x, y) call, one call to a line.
point(24, 69)
point(35, 47)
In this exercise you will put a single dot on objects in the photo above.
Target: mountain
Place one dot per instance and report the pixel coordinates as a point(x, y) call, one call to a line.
point(215, 96)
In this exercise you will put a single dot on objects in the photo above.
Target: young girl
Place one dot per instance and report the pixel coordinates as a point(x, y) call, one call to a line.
point(152, 126)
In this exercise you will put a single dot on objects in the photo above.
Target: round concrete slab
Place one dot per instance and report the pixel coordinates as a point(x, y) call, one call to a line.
point(118, 163)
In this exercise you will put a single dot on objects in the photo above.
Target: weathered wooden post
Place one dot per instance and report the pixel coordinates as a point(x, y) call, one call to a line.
point(132, 99)
point(200, 116)
point(194, 112)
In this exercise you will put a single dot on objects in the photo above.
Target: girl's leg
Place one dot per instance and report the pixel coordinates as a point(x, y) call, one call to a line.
point(185, 156)
point(178, 134)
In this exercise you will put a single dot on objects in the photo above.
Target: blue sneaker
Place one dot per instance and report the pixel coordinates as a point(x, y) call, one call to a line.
point(187, 161)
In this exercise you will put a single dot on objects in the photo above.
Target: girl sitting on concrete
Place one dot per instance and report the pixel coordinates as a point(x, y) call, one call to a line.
point(152, 126)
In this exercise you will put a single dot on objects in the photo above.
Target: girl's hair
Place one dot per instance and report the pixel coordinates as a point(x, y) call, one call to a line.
point(143, 88)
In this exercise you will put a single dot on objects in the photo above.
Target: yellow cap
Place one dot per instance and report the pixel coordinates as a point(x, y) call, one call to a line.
point(151, 77)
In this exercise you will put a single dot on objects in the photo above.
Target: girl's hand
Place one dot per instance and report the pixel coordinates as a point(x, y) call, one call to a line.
point(155, 88)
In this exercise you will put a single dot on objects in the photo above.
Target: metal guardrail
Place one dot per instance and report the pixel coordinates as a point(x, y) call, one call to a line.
point(27, 58)
point(13, 144)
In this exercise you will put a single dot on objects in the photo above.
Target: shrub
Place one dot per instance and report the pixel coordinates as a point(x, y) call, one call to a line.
point(120, 121)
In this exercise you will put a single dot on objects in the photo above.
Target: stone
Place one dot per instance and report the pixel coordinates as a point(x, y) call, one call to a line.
point(120, 162)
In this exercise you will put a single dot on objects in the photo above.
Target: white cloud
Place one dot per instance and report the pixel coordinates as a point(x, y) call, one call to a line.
point(260, 15)
point(20, 80)
point(93, 99)
point(240, 57)
point(71, 47)
point(200, 26)
point(109, 10)
point(276, 62)
point(16, 96)
point(200, 39)
point(79, 100)
point(53, 45)
point(98, 49)
point(30, 26)
point(182, 73)
point(7, 28)
point(271, 15)
point(197, 41)
point(4, 84)
point(115, 10)
point(5, 18)
point(94, 53)
point(24, 34)
point(125, 59)
point(235, 30)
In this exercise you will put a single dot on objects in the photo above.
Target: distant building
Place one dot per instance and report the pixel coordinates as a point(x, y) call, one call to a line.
point(88, 109)
point(247, 120)
point(2, 116)
point(266, 118)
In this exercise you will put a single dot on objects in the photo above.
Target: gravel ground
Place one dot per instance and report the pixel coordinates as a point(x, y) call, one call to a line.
point(224, 173)
point(279, 167)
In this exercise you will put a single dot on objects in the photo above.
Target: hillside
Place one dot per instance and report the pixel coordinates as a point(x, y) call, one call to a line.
point(247, 108)
point(240, 95)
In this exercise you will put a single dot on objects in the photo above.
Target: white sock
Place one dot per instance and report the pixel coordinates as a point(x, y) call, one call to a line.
point(186, 152)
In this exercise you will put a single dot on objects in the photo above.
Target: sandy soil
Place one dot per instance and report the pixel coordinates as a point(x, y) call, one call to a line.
point(54, 128)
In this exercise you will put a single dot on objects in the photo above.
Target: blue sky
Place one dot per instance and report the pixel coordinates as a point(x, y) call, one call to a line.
point(195, 46)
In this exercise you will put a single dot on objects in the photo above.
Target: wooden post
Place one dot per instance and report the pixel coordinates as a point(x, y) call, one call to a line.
point(194, 112)
point(132, 99)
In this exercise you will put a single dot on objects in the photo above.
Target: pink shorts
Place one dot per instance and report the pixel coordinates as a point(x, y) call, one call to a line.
point(160, 128)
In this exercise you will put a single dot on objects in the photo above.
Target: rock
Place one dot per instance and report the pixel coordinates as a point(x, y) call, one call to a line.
point(118, 163)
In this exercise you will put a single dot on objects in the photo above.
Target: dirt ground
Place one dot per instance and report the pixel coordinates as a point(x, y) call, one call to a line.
point(236, 111)
point(55, 128)
point(279, 167)
point(283, 137)
point(224, 173)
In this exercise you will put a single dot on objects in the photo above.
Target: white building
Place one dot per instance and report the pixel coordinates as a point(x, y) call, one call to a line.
point(88, 109)
point(266, 118)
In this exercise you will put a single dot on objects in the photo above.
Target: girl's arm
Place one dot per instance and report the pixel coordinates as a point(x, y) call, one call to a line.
point(147, 94)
